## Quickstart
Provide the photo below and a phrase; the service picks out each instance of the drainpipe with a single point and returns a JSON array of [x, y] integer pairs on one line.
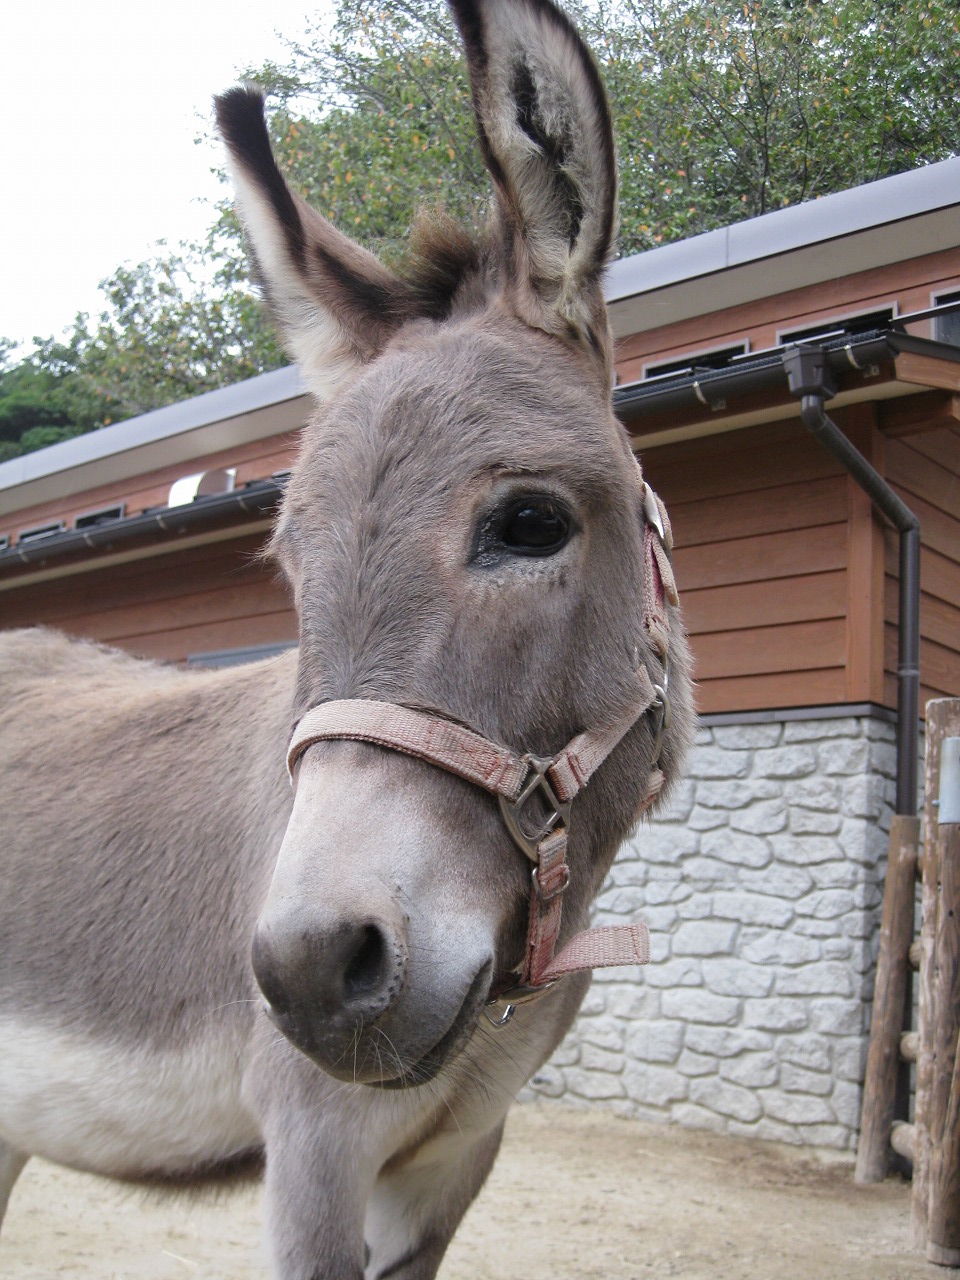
[[811, 381]]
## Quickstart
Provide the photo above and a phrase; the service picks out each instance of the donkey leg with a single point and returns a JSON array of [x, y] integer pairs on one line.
[[319, 1170], [315, 1193], [416, 1207], [11, 1165]]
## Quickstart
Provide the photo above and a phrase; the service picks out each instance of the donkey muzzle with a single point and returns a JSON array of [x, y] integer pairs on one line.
[[326, 980]]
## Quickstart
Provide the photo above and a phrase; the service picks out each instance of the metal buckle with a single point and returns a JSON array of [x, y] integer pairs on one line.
[[512, 810], [549, 897]]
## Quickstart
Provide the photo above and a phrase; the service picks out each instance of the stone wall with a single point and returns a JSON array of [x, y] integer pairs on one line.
[[762, 888]]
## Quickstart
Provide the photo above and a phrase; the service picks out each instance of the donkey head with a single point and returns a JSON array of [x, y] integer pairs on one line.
[[464, 530]]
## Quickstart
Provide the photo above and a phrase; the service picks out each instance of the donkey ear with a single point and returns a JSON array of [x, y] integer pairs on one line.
[[546, 135], [334, 303]]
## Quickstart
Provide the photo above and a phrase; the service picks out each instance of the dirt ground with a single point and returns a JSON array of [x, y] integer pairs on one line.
[[574, 1196]]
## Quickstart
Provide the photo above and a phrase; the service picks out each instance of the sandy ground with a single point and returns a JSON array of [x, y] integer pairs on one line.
[[574, 1196]]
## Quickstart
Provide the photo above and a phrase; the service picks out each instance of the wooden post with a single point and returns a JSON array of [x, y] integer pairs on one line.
[[886, 1025], [943, 1213], [936, 1168]]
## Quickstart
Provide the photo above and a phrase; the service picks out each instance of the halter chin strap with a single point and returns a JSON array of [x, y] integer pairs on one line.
[[525, 783]]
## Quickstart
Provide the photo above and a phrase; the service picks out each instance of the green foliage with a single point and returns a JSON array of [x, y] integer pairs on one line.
[[727, 110], [372, 120], [170, 329], [723, 110], [41, 400], [168, 333]]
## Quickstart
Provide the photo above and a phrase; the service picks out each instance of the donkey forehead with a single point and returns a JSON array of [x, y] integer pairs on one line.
[[447, 405]]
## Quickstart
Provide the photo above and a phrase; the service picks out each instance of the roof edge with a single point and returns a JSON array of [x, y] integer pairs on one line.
[[844, 213], [261, 392]]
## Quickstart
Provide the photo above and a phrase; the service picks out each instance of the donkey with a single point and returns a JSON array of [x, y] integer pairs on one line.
[[350, 979]]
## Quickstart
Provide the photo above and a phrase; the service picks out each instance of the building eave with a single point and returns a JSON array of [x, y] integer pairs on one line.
[[894, 219], [268, 405]]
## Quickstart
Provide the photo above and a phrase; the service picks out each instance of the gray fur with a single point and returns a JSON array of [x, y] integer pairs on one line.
[[149, 834]]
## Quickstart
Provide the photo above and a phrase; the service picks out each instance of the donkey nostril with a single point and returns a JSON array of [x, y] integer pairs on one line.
[[364, 971]]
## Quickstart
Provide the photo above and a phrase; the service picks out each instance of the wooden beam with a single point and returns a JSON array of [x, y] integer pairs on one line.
[[936, 1170], [909, 415], [928, 371], [943, 1213]]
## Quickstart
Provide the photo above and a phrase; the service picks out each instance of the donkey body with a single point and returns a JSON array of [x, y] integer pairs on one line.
[[465, 531]]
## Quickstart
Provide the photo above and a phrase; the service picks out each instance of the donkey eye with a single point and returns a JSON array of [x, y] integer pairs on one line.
[[535, 528], [529, 525]]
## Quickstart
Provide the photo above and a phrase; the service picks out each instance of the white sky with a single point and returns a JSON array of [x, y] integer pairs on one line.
[[101, 103]]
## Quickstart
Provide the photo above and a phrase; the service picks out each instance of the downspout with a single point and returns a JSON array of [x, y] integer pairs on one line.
[[810, 379]]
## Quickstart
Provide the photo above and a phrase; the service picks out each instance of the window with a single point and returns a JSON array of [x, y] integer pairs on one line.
[[840, 326], [946, 328], [103, 515]]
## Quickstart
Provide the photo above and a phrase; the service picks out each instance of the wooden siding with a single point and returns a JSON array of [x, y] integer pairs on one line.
[[925, 471], [761, 526], [761, 321], [171, 606], [788, 578]]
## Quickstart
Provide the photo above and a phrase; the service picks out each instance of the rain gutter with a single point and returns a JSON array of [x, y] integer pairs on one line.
[[259, 498], [709, 388]]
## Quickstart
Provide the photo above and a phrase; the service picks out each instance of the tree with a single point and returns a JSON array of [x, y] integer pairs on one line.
[[723, 110], [728, 110], [171, 330], [42, 401]]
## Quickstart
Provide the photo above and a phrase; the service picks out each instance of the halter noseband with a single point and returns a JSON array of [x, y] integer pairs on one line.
[[516, 779]]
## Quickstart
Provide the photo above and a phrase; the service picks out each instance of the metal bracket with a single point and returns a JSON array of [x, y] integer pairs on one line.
[[652, 514], [558, 813]]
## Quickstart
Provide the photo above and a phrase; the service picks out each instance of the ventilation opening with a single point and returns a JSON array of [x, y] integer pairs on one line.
[[40, 531], [946, 328], [103, 515], [840, 326], [694, 361]]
